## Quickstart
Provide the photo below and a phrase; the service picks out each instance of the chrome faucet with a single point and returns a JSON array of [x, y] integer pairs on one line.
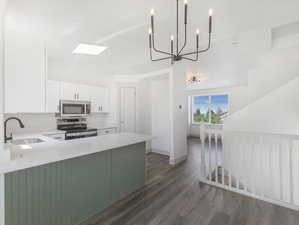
[[5, 123]]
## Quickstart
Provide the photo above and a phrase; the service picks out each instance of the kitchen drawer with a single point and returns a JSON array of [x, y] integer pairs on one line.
[[107, 131], [58, 136]]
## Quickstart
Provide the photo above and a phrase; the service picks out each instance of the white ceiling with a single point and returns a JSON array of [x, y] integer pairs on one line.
[[241, 34]]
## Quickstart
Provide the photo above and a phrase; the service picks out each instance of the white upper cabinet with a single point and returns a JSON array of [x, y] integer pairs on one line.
[[25, 73], [53, 96], [105, 100], [100, 100], [68, 91], [84, 92], [99, 96]]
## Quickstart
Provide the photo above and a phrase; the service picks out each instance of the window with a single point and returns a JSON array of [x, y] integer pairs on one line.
[[209, 109]]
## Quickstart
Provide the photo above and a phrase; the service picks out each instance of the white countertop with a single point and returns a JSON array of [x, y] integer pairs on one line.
[[53, 150]]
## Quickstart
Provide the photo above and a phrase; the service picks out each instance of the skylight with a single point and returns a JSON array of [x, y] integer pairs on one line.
[[89, 49]]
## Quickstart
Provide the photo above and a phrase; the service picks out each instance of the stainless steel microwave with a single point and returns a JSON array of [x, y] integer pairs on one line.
[[74, 108]]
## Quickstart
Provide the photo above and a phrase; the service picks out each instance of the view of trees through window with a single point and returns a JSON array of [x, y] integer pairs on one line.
[[210, 109]]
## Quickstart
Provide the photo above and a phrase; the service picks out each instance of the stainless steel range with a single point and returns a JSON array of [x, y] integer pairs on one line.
[[76, 128]]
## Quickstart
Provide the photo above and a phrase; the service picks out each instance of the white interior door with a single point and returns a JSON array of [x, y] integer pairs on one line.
[[128, 109]]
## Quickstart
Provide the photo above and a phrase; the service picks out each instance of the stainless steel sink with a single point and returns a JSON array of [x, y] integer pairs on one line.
[[27, 141]]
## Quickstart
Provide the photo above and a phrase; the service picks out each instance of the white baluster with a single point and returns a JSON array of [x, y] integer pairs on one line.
[[222, 158], [238, 162], [261, 160], [203, 156], [291, 172], [210, 170], [272, 184], [280, 172], [230, 183], [216, 156], [254, 169]]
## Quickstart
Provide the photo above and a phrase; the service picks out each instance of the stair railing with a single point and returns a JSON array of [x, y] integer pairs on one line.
[[259, 165]]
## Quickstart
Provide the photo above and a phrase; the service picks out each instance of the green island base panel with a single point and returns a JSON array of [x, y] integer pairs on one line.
[[70, 191]]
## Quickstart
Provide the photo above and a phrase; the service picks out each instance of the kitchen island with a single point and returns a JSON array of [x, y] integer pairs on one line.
[[67, 182]]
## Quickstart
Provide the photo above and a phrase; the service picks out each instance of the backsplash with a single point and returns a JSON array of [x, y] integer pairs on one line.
[[41, 122]]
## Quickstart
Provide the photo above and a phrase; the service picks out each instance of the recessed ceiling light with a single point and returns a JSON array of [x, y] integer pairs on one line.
[[89, 49]]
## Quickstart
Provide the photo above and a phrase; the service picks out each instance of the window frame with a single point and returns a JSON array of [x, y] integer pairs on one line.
[[209, 103]]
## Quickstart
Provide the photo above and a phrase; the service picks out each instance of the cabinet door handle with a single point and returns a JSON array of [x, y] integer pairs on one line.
[[99, 108], [75, 97]]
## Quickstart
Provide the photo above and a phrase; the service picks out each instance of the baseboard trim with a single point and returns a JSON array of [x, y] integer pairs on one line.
[[162, 152], [177, 161]]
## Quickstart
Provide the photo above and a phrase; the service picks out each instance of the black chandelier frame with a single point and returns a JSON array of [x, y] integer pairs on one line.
[[179, 55]]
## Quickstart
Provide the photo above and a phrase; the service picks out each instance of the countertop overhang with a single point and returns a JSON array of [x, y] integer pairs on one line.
[[52, 151]]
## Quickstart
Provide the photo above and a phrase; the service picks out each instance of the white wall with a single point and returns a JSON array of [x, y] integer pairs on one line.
[[153, 110], [277, 112], [238, 99], [178, 112], [145, 107], [160, 111], [277, 68], [43, 122], [154, 98]]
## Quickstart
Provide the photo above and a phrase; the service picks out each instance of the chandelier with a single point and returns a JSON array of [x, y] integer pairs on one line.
[[178, 54], [193, 79]]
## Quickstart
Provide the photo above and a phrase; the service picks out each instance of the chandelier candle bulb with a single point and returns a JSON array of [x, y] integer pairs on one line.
[[150, 38], [186, 8], [152, 19], [210, 20], [152, 12], [197, 39]]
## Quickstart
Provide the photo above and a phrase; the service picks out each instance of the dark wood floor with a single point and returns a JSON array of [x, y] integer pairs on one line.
[[173, 196]]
